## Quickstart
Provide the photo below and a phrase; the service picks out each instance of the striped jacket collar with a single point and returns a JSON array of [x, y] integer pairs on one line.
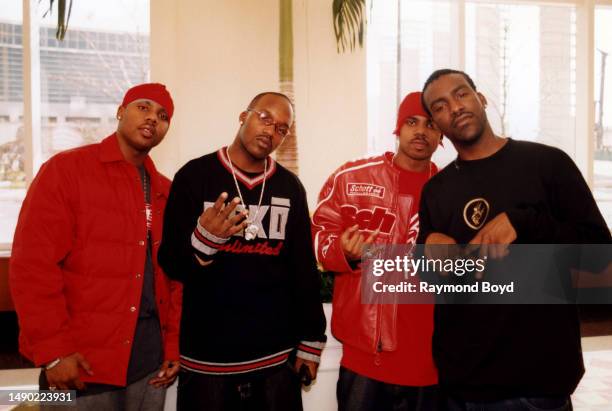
[[250, 182]]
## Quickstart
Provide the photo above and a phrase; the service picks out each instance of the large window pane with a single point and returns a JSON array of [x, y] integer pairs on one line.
[[401, 54], [82, 79], [12, 175], [522, 58], [105, 51], [603, 111]]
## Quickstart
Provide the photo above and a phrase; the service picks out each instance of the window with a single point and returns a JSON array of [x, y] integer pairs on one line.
[[401, 53], [82, 80], [83, 83], [12, 171], [603, 111], [523, 61], [523, 56]]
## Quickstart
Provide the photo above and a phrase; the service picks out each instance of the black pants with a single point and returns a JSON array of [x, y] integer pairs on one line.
[[358, 393], [277, 389]]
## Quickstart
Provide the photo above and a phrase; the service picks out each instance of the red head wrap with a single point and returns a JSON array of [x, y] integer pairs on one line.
[[151, 91], [411, 106]]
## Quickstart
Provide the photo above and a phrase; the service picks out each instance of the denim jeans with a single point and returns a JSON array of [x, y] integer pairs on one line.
[[138, 396], [276, 389], [359, 393], [514, 404]]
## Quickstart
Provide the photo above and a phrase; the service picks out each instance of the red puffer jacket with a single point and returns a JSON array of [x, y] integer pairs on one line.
[[76, 269], [363, 192]]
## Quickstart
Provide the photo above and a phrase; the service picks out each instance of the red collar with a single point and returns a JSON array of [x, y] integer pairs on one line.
[[110, 152]]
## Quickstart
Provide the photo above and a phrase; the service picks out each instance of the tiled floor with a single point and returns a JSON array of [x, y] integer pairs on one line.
[[595, 390], [593, 394]]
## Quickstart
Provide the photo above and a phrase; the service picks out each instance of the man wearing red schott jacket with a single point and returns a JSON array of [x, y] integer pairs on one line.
[[386, 364], [95, 310]]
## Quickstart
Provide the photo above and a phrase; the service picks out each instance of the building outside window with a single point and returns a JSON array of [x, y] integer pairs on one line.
[[81, 81]]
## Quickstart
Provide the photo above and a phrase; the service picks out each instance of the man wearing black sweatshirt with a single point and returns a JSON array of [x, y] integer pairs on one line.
[[251, 286], [500, 191]]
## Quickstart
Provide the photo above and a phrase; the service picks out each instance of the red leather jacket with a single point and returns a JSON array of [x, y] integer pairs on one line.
[[363, 192], [77, 262]]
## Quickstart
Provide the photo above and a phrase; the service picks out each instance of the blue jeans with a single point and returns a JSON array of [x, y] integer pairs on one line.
[[275, 389], [359, 393], [138, 396], [514, 404]]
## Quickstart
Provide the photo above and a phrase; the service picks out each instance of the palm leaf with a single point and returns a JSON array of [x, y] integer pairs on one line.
[[62, 19], [349, 23]]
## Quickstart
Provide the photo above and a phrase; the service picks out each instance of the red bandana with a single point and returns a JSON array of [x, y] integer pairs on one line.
[[151, 91]]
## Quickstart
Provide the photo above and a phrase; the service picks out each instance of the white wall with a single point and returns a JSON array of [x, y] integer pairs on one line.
[[216, 55], [330, 94]]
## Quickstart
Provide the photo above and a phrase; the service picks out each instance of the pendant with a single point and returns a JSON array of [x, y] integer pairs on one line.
[[251, 232]]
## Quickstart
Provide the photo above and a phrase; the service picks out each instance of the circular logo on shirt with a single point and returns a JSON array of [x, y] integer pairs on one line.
[[475, 213]]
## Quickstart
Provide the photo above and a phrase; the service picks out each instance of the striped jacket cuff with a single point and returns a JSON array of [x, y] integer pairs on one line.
[[205, 242], [310, 350]]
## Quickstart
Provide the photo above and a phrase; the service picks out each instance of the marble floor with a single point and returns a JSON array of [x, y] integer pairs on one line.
[[595, 390]]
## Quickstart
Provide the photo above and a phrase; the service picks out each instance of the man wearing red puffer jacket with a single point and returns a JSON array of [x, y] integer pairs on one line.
[[95, 310], [387, 362]]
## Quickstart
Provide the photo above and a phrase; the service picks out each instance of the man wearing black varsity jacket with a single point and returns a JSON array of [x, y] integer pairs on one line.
[[237, 234]]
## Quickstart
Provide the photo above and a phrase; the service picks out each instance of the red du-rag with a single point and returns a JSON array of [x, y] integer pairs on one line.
[[411, 106], [151, 91]]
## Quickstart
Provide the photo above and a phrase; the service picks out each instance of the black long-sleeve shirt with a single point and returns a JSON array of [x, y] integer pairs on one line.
[[258, 299], [501, 351]]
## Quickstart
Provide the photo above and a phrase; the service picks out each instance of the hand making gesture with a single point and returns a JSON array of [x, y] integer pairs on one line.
[[220, 219], [352, 242]]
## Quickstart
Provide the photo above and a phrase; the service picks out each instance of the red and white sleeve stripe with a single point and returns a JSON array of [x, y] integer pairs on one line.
[[310, 350], [205, 242]]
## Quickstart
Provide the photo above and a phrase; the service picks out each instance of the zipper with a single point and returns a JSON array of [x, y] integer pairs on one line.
[[394, 202], [379, 344], [379, 348]]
